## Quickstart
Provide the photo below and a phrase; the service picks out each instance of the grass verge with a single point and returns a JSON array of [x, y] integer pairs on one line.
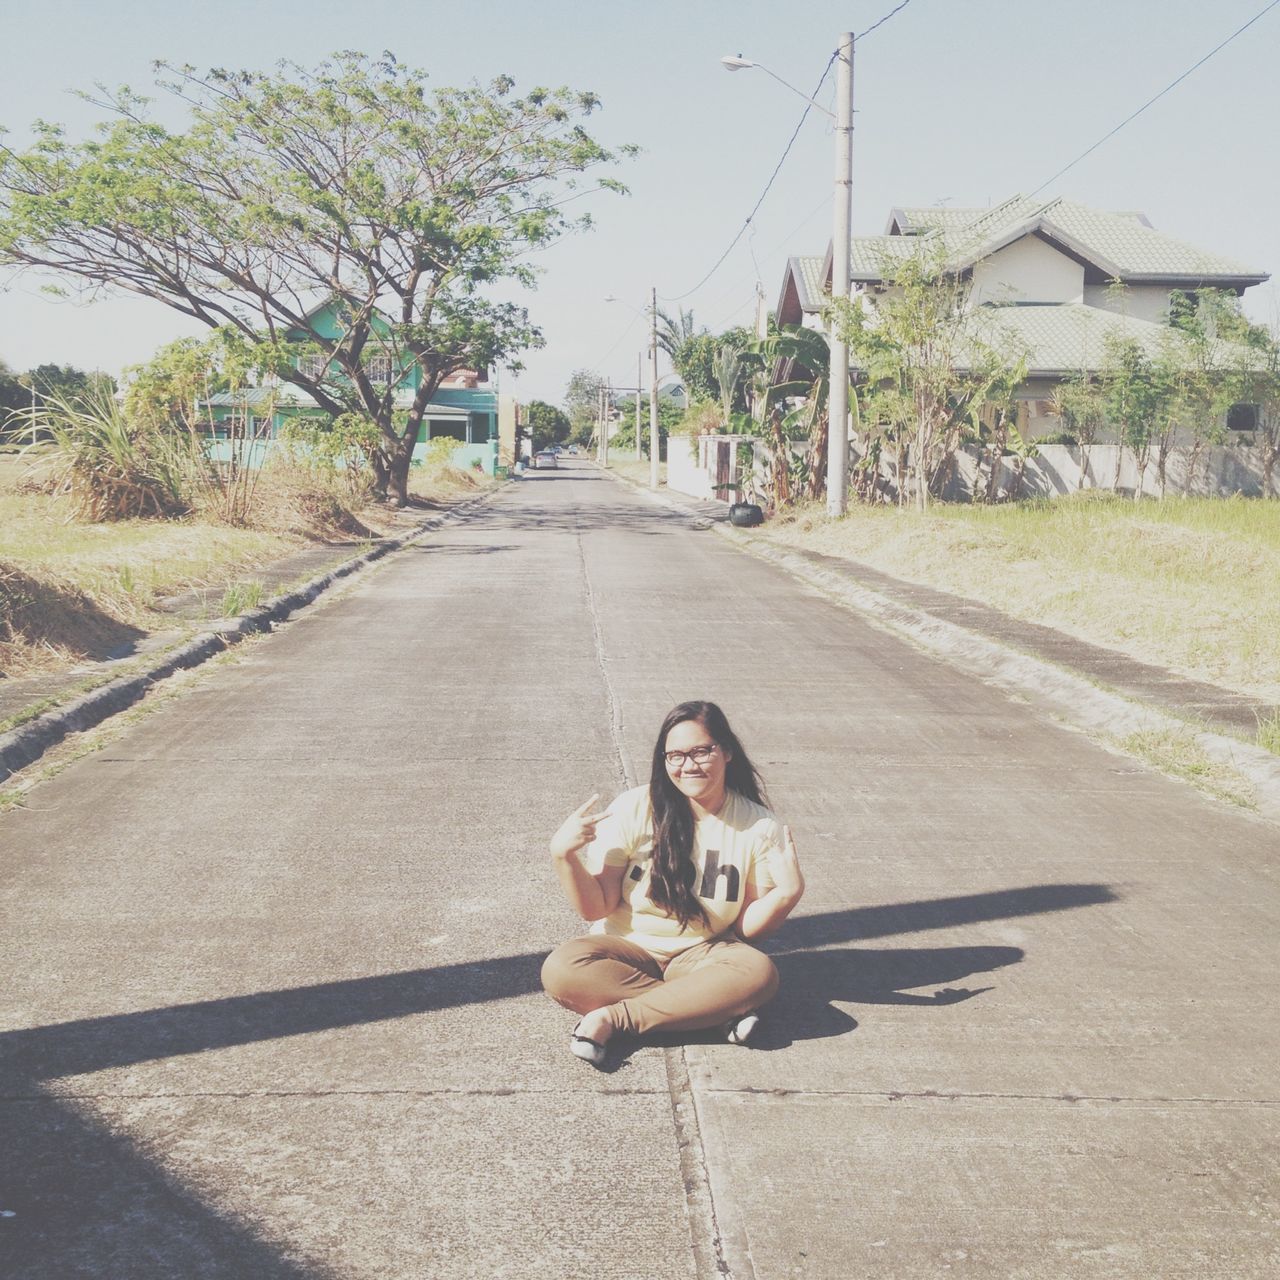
[[1191, 584], [637, 472], [73, 591]]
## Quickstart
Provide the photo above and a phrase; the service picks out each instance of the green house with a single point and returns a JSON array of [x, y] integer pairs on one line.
[[464, 409]]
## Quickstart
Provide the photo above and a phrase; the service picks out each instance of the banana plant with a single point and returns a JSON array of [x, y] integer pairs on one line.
[[801, 359]]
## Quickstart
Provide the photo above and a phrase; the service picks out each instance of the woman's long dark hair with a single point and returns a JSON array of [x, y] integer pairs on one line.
[[673, 873]]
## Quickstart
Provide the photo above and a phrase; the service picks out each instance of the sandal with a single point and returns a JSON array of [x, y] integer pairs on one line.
[[740, 1029], [588, 1050]]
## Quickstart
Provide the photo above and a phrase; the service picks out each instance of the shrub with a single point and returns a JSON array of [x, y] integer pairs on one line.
[[702, 418], [439, 451], [112, 469]]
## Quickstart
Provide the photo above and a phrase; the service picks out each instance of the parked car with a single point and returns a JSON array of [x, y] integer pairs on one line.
[[544, 459], [573, 451]]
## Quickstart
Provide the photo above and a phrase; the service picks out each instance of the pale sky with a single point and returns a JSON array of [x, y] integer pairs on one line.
[[962, 101]]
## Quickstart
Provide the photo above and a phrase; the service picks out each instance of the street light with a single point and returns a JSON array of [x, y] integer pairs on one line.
[[838, 392], [738, 63]]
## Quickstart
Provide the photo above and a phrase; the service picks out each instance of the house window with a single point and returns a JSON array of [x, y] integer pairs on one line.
[[312, 366], [1242, 417], [378, 369], [448, 427]]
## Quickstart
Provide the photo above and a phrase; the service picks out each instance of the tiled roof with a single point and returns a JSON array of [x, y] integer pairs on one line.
[[1121, 244], [1064, 338], [873, 257], [810, 274], [263, 397]]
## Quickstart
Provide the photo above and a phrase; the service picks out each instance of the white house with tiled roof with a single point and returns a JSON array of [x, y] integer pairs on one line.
[[1047, 264], [1041, 273]]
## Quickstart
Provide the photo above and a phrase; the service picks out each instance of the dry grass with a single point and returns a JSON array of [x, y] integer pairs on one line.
[[1192, 584], [446, 484], [72, 590], [1176, 752]]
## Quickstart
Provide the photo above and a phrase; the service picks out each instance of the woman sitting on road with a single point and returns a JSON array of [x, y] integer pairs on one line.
[[677, 876]]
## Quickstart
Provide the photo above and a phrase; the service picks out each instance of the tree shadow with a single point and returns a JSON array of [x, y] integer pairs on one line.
[[460, 549], [86, 1202], [87, 1045]]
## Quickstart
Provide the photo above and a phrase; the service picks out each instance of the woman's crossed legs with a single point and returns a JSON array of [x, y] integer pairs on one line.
[[705, 986]]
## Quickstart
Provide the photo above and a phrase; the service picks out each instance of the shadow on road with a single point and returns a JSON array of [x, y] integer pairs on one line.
[[125, 1039], [89, 1202]]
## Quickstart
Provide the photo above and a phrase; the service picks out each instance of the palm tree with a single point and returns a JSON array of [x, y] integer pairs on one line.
[[673, 334]]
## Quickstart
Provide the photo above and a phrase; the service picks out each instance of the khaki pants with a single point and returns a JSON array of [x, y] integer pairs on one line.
[[704, 986]]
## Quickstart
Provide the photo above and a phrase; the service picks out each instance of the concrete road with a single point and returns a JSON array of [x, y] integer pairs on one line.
[[271, 958]]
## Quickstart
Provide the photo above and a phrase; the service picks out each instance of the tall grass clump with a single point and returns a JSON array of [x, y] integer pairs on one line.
[[111, 468]]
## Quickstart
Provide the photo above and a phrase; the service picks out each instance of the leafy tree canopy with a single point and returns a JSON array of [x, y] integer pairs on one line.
[[547, 424], [354, 181], [582, 401]]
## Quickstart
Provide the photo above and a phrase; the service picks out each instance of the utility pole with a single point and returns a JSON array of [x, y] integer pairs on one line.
[[838, 391], [653, 390], [604, 424], [639, 443]]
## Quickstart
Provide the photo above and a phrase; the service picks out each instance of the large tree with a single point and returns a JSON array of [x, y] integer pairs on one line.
[[582, 402], [931, 362], [547, 424], [354, 181]]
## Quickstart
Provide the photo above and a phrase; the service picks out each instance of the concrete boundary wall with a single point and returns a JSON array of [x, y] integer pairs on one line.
[[1220, 471], [684, 475]]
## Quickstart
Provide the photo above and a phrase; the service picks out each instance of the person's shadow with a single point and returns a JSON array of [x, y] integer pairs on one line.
[[817, 982], [819, 974]]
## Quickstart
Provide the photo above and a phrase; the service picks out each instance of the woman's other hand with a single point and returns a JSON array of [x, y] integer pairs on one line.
[[761, 916], [577, 831], [784, 866]]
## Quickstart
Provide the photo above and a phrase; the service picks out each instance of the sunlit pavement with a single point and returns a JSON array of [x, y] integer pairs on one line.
[[272, 956]]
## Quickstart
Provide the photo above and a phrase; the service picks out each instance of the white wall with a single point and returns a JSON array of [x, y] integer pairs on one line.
[[1028, 270], [1220, 472], [1141, 301], [684, 475]]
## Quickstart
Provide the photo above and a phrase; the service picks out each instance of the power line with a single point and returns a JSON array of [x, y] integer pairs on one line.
[[1158, 96], [883, 20], [679, 297], [786, 239], [621, 337]]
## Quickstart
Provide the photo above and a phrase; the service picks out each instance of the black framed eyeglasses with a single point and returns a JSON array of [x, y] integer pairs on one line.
[[698, 755]]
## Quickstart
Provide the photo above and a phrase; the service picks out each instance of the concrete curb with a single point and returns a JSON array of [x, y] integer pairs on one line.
[[1056, 690], [24, 745]]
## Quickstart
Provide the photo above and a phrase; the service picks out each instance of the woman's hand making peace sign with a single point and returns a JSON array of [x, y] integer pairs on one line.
[[577, 831]]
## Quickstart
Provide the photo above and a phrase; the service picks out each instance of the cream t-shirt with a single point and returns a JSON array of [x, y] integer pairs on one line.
[[732, 851]]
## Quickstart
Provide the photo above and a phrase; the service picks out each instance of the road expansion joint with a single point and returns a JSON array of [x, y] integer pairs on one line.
[[700, 1201], [252, 1094], [935, 1095]]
